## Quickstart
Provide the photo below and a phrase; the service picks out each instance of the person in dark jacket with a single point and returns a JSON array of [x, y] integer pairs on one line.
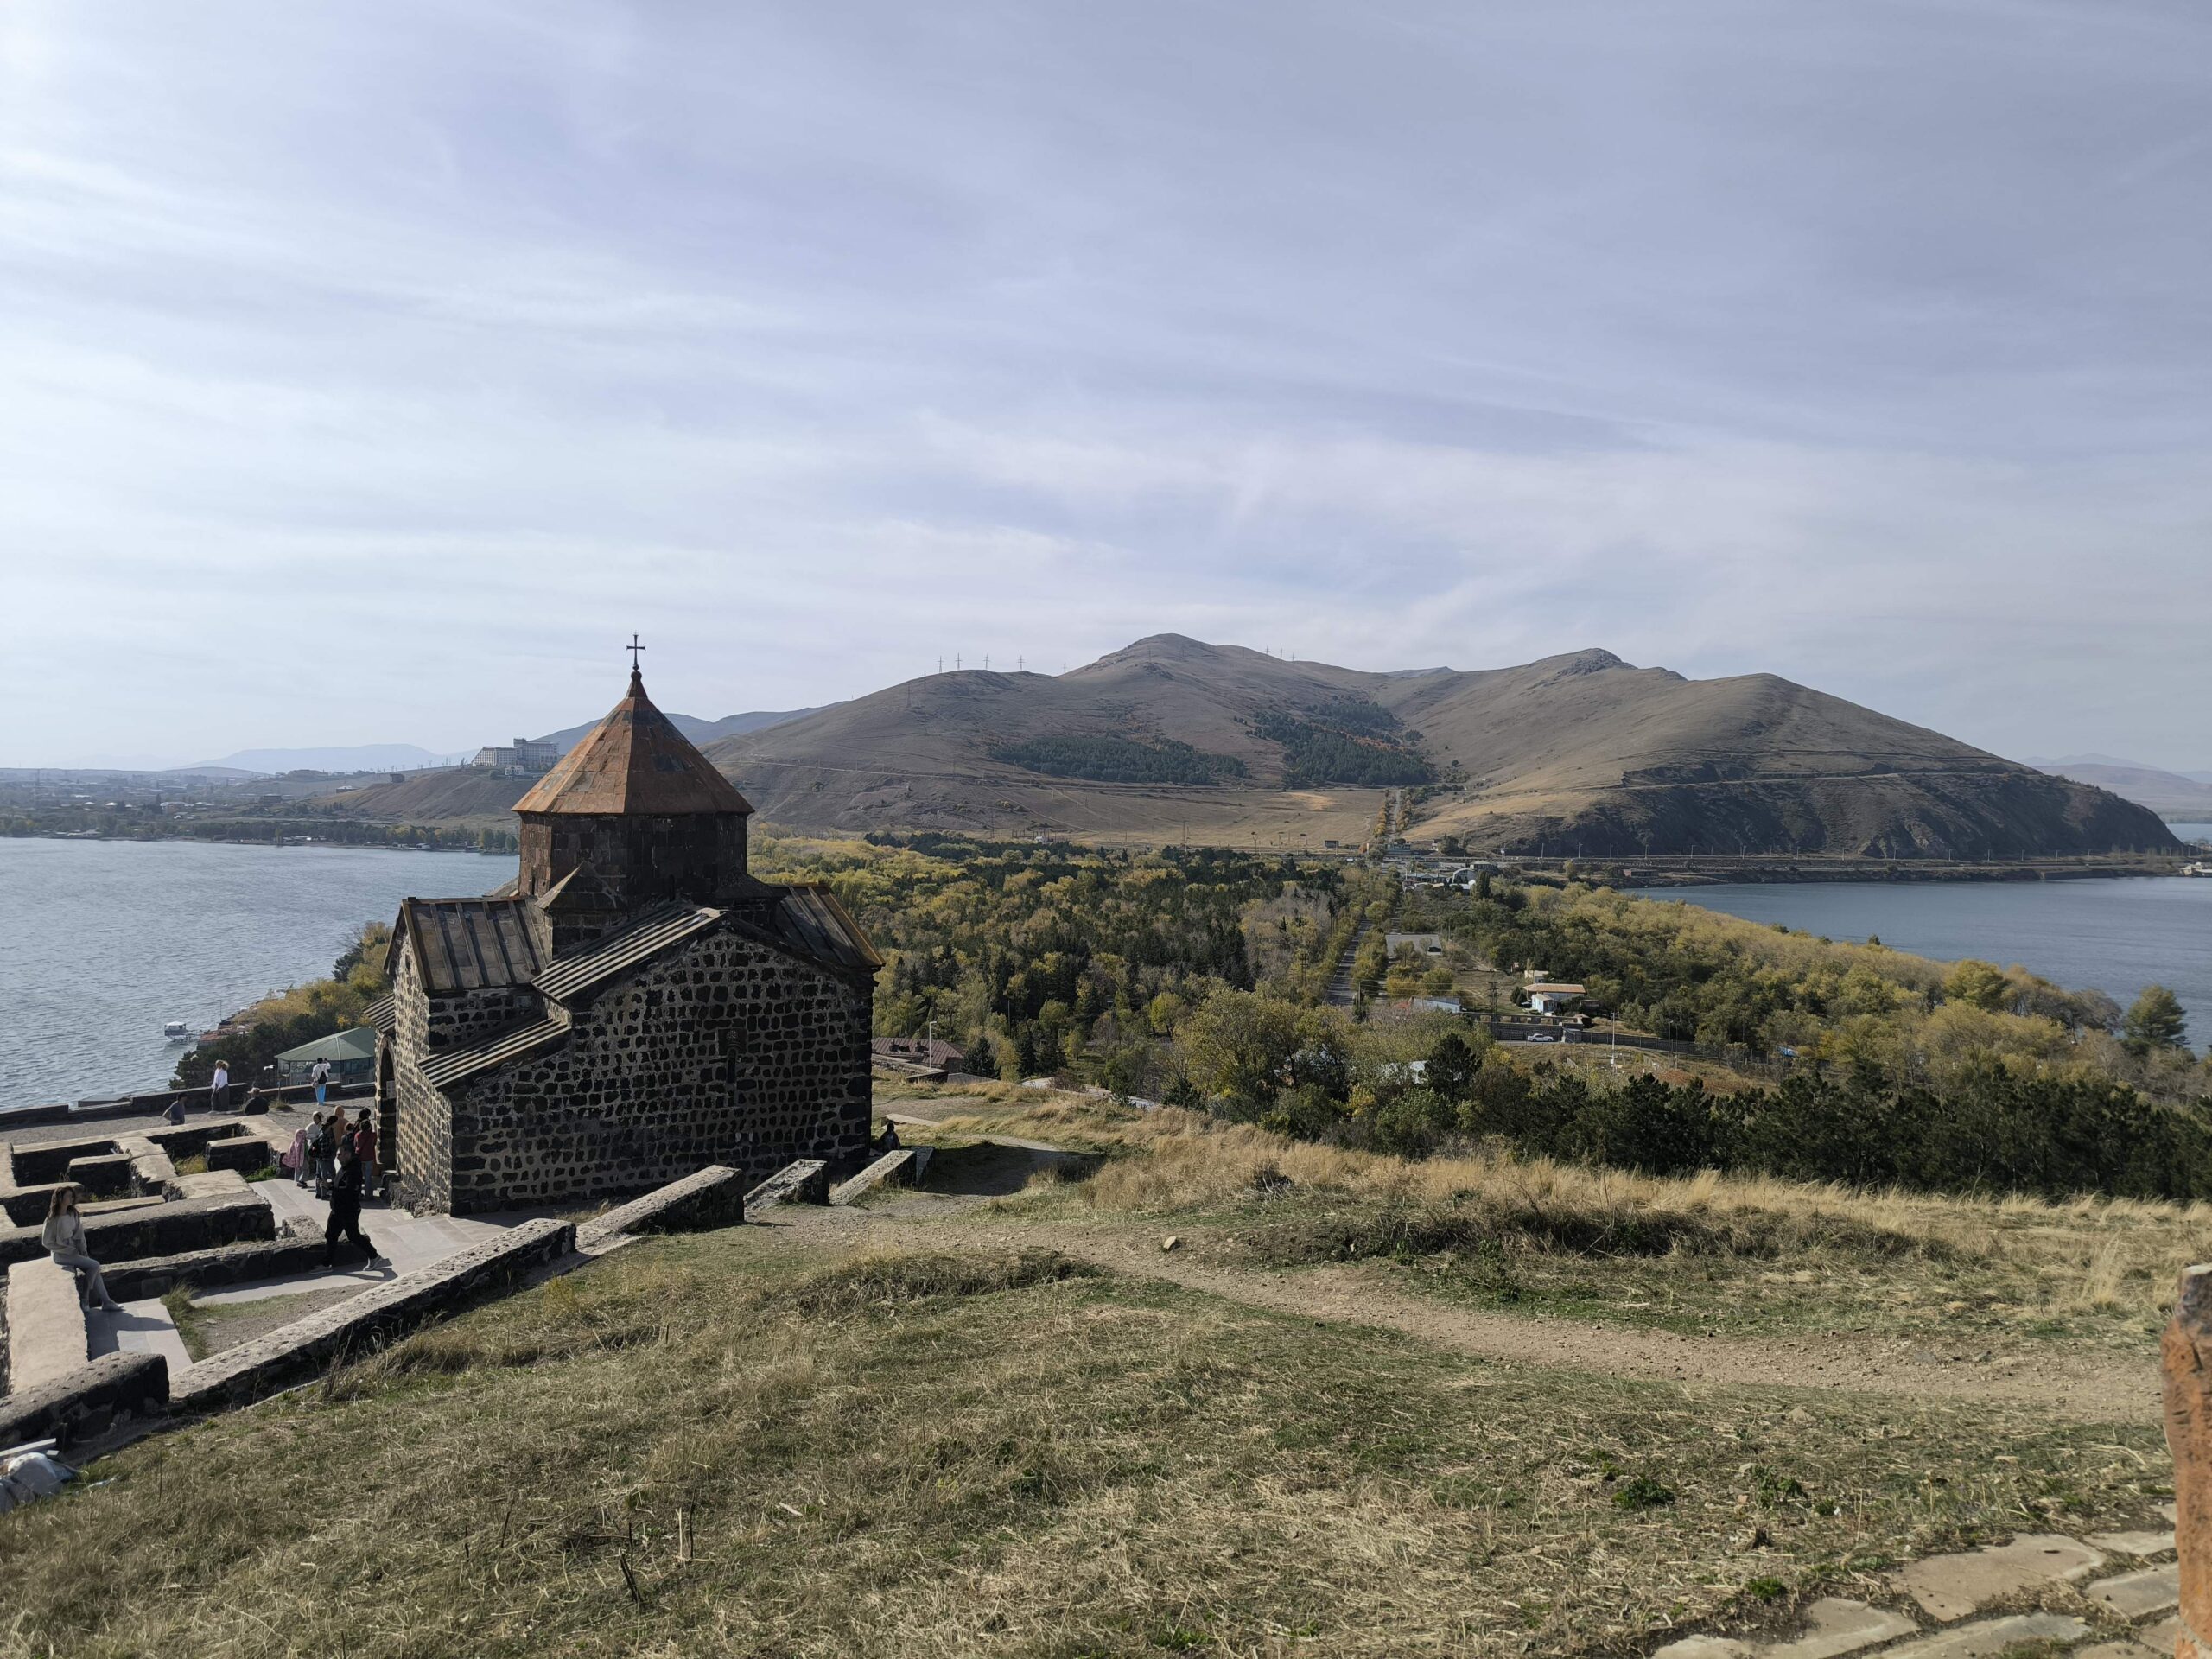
[[322, 1150], [346, 1210], [365, 1151]]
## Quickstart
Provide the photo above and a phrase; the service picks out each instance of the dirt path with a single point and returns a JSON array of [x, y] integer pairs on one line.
[[2081, 1388]]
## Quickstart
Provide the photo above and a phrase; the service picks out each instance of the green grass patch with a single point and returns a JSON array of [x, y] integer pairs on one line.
[[185, 1314]]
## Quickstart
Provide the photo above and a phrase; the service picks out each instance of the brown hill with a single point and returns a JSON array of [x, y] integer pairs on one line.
[[448, 795], [1578, 753]]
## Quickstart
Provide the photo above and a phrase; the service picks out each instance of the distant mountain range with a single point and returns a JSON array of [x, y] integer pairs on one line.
[[701, 732], [360, 757], [2181, 797], [1579, 753], [463, 793], [411, 757]]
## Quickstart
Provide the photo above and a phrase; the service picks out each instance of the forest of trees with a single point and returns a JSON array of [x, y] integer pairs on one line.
[[1120, 760], [1345, 742], [1199, 977]]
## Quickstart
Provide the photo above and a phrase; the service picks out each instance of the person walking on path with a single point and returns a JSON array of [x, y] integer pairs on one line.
[[346, 1211], [365, 1152], [219, 1087], [320, 1078], [64, 1238]]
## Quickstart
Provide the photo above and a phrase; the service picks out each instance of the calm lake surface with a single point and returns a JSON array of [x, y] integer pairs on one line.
[[2114, 936], [102, 941]]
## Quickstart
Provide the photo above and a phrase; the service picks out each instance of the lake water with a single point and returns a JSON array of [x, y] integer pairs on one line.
[[2115, 935], [102, 941]]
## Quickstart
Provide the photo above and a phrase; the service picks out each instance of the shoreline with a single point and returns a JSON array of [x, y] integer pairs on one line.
[[1892, 875], [295, 843], [1650, 870]]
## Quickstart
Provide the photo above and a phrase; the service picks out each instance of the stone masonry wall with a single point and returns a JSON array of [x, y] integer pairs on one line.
[[728, 1051], [424, 1138], [425, 1024]]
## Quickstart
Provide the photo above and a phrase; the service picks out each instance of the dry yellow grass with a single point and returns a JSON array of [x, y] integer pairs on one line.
[[2030, 1259], [690, 1447]]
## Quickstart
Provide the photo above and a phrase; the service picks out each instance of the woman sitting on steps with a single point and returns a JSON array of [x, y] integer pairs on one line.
[[64, 1238]]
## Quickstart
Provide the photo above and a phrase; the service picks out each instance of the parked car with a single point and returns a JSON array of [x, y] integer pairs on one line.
[[1540, 1037]]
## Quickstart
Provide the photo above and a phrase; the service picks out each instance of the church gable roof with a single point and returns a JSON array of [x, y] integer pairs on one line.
[[662, 929], [634, 762], [454, 1066], [809, 920], [467, 945]]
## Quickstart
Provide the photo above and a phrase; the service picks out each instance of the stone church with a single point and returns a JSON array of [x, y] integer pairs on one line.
[[632, 1007]]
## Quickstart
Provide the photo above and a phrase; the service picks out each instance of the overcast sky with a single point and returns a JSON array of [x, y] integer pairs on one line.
[[369, 371]]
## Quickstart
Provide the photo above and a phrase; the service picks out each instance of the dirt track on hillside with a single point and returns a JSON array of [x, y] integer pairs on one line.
[[2070, 1387]]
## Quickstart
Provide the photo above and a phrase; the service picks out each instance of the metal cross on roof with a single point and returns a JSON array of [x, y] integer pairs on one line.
[[634, 648]]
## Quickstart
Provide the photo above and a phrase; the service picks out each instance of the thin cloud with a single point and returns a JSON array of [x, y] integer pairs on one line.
[[1864, 345]]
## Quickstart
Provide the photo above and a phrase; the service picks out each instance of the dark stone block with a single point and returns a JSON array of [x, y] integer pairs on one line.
[[107, 1176], [157, 1228], [86, 1401], [245, 1153]]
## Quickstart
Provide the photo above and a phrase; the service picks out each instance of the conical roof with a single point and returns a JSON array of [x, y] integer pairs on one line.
[[634, 762]]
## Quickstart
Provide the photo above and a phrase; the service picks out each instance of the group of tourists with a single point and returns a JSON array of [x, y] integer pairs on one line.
[[319, 1149], [340, 1158], [337, 1155]]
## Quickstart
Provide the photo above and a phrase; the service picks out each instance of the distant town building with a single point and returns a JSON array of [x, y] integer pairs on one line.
[[1554, 998], [521, 759], [633, 1007], [931, 1053]]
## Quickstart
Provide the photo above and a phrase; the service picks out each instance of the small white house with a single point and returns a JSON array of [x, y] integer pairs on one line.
[[1554, 998]]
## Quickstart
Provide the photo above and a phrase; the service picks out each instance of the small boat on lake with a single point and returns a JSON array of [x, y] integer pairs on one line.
[[177, 1032]]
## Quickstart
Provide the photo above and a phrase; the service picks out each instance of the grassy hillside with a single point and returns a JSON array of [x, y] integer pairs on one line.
[[462, 795], [1575, 754], [933, 1427]]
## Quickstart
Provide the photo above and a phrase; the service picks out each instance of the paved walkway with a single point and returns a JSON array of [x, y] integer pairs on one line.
[[2040, 1592], [142, 1328], [408, 1242], [284, 1117]]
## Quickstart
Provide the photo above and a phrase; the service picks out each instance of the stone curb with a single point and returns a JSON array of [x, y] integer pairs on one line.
[[223, 1264], [806, 1181], [898, 1167], [242, 1374], [712, 1197], [157, 1228], [47, 1335], [86, 1401]]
